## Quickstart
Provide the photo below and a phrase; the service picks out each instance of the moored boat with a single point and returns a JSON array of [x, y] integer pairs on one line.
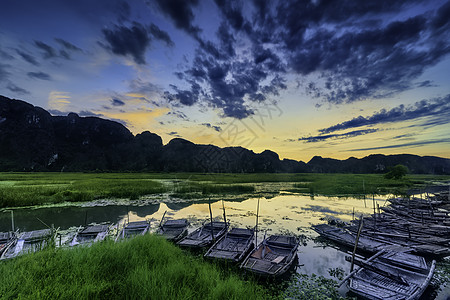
[[6, 238], [391, 275], [347, 238], [132, 229], [233, 246], [27, 242], [173, 230], [205, 235], [273, 257], [90, 234]]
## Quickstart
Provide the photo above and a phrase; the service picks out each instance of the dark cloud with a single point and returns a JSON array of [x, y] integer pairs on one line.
[[321, 138], [442, 19], [48, 51], [128, 41], [426, 83], [39, 75], [408, 145], [173, 133], [232, 10], [222, 79], [356, 63], [178, 114], [438, 108], [185, 97], [216, 128], [87, 113], [180, 11], [161, 35], [67, 45], [117, 102], [18, 90]]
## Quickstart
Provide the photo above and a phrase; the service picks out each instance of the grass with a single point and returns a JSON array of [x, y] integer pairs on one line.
[[28, 189], [144, 267]]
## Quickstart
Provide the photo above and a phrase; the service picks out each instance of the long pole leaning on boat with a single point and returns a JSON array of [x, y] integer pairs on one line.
[[354, 271], [256, 226], [211, 218], [356, 242], [160, 223]]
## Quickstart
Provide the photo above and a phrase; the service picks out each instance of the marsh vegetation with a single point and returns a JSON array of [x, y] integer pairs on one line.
[[29, 189]]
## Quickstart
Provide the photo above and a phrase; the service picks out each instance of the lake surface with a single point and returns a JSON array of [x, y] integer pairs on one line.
[[285, 213]]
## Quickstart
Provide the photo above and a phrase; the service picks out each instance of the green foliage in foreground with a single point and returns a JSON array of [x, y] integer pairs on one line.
[[27, 189], [312, 287], [146, 267]]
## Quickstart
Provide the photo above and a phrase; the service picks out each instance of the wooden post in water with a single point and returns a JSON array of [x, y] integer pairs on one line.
[[224, 214], [256, 226], [12, 220], [373, 202], [211, 218], [364, 191], [356, 243], [85, 218]]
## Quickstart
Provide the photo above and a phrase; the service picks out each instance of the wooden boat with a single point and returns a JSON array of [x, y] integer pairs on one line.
[[27, 242], [174, 230], [90, 234], [391, 275], [6, 238], [347, 238], [233, 246], [273, 257], [205, 235], [132, 229]]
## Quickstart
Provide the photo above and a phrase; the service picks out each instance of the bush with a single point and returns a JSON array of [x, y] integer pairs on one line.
[[396, 172]]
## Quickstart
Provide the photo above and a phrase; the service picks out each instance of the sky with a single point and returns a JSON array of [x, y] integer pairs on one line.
[[337, 79]]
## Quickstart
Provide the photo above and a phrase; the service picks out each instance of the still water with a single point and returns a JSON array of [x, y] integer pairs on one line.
[[285, 213]]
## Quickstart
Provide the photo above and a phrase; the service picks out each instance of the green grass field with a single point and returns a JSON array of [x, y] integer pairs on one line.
[[146, 267], [28, 189]]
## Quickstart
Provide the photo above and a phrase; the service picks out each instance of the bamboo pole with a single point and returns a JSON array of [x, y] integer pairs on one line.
[[211, 218], [224, 214], [12, 220], [256, 226], [364, 190], [356, 242], [160, 223]]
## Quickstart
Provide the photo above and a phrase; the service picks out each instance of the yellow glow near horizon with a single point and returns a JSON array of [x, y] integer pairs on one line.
[[58, 100], [138, 120]]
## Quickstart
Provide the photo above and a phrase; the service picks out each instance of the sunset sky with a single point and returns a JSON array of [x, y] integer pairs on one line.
[[301, 78]]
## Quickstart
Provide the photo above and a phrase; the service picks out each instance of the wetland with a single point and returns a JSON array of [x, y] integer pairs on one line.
[[288, 203]]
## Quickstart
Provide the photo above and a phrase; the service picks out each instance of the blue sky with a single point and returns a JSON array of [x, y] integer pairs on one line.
[[302, 78]]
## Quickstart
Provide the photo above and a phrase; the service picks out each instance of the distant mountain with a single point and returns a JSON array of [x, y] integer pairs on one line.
[[33, 140]]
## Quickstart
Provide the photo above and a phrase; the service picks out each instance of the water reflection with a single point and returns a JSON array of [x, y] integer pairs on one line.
[[285, 213]]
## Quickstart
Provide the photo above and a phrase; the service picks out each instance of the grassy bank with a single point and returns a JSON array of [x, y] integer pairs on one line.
[[145, 267], [27, 189]]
